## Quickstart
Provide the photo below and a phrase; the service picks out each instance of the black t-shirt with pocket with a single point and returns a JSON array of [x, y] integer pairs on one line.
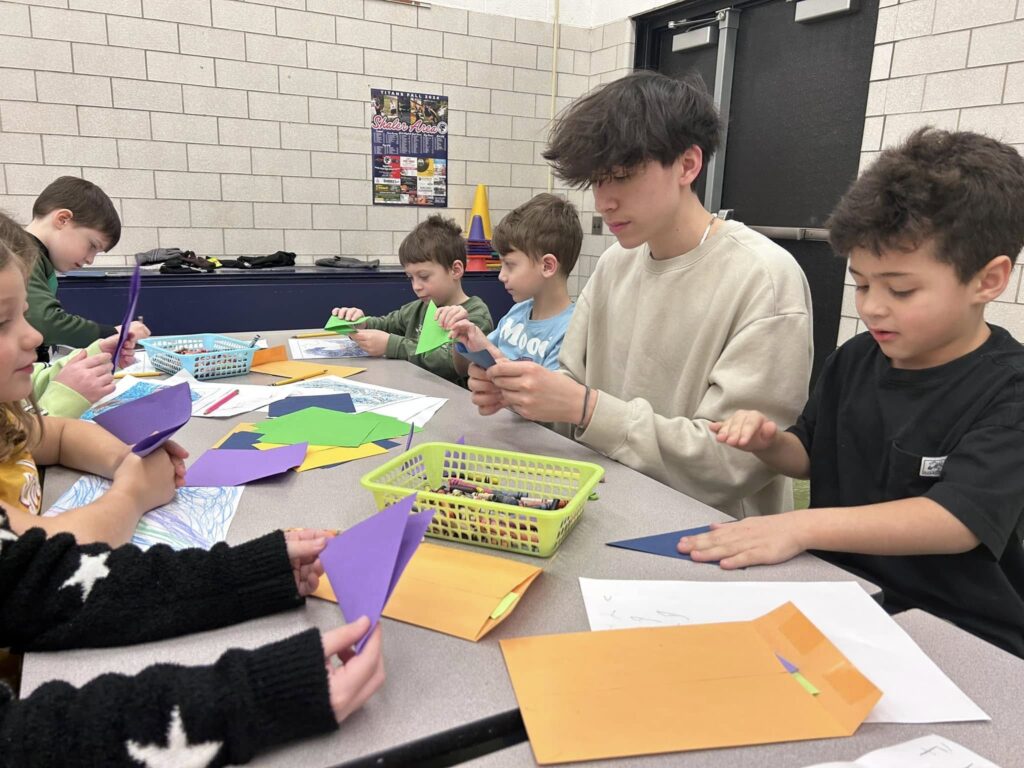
[[953, 434]]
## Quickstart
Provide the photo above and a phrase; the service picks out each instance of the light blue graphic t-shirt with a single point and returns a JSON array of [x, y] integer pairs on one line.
[[518, 337]]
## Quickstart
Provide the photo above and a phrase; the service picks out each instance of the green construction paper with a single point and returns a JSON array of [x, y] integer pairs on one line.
[[806, 684], [432, 335], [506, 604], [321, 426], [338, 325]]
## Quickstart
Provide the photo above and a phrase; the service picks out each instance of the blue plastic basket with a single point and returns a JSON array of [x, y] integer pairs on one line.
[[204, 355]]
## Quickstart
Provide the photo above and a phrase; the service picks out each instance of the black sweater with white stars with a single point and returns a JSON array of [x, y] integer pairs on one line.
[[56, 594]]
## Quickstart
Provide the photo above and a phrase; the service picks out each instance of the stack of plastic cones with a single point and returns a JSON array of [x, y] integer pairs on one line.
[[480, 254]]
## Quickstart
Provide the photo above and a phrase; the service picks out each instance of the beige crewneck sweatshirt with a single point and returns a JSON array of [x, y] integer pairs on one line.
[[677, 343]]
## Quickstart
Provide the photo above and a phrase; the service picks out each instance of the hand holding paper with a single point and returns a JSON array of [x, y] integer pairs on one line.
[[665, 544], [147, 423], [341, 325]]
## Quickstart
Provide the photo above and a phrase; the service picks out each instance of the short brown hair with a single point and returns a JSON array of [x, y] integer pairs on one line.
[[543, 224], [962, 189], [88, 203], [642, 116], [437, 239]]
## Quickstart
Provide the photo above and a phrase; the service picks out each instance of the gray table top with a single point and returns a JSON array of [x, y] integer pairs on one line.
[[435, 682], [984, 672]]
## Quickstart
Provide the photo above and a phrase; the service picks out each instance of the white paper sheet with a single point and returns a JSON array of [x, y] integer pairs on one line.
[[914, 689], [926, 752], [324, 348]]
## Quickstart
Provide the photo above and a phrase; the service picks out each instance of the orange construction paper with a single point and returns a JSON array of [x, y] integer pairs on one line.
[[453, 591], [291, 368], [616, 693], [269, 355]]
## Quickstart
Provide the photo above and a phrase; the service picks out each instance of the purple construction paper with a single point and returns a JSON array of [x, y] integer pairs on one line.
[[662, 543], [408, 441], [149, 421], [224, 466], [134, 288], [790, 666], [364, 562], [461, 440], [341, 401], [242, 441]]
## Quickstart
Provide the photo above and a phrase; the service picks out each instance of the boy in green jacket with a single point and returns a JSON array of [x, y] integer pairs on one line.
[[434, 257], [72, 221]]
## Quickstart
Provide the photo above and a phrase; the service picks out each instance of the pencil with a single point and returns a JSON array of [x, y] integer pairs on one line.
[[220, 402], [315, 335], [138, 374], [303, 377]]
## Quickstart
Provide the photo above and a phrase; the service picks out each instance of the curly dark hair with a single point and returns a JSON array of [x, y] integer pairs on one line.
[[963, 190], [437, 239], [545, 223], [640, 117]]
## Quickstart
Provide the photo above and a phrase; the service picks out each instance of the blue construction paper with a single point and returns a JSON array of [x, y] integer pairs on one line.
[[483, 358], [662, 543], [341, 401], [242, 441], [386, 444]]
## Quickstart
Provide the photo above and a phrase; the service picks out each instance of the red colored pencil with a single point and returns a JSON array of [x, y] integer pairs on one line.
[[220, 402]]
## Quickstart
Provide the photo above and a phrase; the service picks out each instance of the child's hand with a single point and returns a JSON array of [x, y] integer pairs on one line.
[[347, 313], [486, 396], [448, 316], [746, 430], [136, 330], [752, 541], [91, 377], [178, 456], [109, 346], [150, 482], [358, 677], [374, 343], [304, 548], [537, 393], [469, 335]]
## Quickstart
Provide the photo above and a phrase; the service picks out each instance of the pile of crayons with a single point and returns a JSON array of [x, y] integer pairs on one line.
[[453, 486]]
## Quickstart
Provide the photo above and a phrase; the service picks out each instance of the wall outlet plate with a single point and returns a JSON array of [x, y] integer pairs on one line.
[[596, 226]]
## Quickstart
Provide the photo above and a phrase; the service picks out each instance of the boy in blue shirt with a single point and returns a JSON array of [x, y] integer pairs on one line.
[[914, 433], [539, 243]]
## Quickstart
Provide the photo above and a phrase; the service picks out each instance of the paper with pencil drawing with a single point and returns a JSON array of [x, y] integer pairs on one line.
[[197, 517]]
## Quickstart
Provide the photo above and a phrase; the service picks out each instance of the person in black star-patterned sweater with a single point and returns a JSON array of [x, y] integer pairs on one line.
[[62, 587], [56, 594]]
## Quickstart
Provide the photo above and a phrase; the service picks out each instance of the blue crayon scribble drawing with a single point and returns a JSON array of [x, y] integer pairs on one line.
[[136, 392], [197, 517]]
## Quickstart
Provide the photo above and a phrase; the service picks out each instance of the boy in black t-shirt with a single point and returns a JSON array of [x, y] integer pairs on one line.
[[914, 435]]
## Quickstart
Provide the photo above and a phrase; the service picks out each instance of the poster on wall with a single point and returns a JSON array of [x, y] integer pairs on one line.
[[409, 132]]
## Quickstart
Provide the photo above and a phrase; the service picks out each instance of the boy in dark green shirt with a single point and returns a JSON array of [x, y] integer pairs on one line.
[[72, 221], [434, 257]]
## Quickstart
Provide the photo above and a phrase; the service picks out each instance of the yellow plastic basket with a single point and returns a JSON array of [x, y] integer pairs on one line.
[[486, 523]]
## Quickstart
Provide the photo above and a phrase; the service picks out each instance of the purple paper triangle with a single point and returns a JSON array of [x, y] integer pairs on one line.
[[364, 562], [149, 422], [476, 229], [134, 287]]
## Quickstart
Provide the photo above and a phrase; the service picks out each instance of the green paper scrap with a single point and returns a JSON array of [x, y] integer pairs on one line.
[[806, 684], [338, 325], [322, 426], [505, 605], [432, 335]]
